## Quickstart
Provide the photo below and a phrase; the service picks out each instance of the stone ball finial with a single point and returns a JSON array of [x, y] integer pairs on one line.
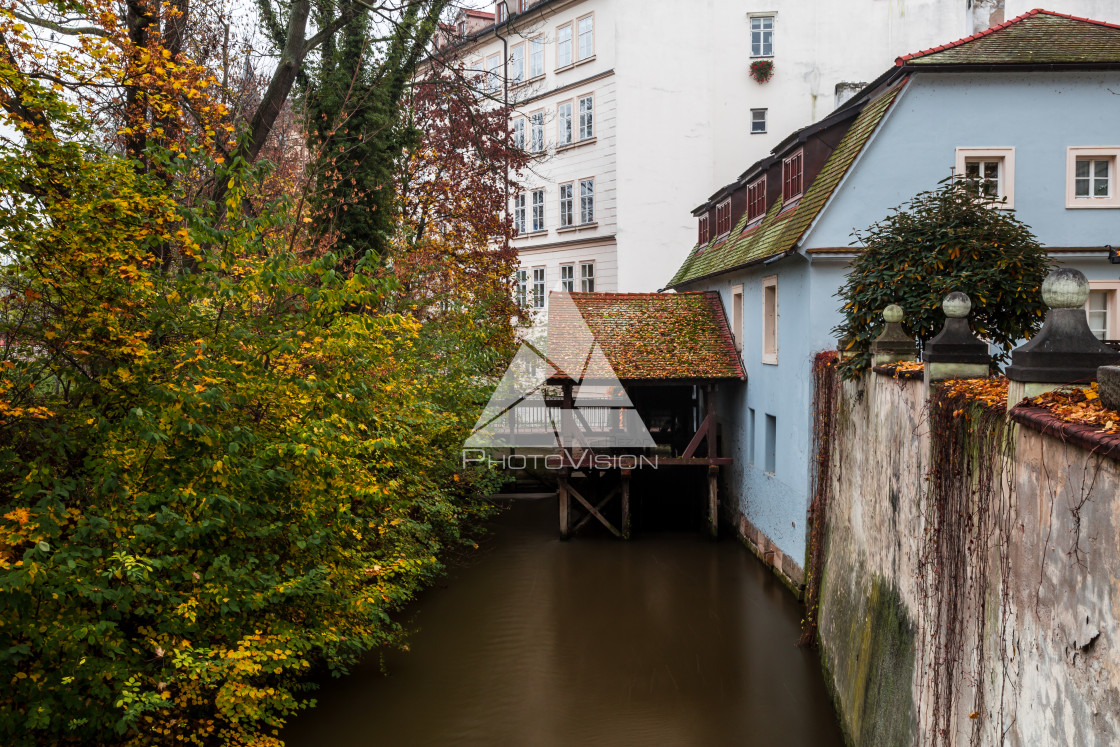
[[1065, 288], [956, 305], [892, 314]]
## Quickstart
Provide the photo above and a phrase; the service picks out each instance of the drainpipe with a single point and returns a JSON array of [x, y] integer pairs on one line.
[[505, 100]]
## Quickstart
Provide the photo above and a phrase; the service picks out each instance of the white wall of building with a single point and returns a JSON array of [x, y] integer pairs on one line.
[[673, 101]]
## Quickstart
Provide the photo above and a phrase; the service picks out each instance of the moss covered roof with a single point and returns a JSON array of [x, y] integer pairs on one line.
[[783, 226], [660, 336], [1039, 37]]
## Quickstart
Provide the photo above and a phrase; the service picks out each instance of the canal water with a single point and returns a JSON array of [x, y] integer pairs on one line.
[[668, 639]]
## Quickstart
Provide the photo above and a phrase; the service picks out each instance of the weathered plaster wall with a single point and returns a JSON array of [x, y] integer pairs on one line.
[[1051, 625]]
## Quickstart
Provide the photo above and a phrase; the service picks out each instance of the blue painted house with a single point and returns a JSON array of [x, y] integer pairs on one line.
[[1031, 107]]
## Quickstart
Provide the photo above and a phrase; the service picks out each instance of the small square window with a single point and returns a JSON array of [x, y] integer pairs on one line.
[[991, 171], [1091, 177], [758, 121]]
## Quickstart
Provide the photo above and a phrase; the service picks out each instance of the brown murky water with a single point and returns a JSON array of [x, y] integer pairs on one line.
[[669, 639]]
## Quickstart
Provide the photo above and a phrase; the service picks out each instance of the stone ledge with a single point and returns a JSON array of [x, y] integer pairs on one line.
[[783, 566], [892, 373], [1085, 436]]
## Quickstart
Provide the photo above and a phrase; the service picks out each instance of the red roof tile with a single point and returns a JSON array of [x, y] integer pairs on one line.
[[659, 336], [1036, 37]]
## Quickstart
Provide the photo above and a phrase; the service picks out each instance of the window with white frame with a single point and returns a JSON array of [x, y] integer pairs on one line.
[[770, 320], [737, 316], [568, 278], [762, 36], [522, 287], [585, 28], [587, 277], [538, 287], [519, 215], [538, 210], [567, 217], [564, 123], [587, 201], [758, 121], [494, 72], [586, 117], [564, 45], [519, 133], [517, 64], [536, 57], [1091, 177], [991, 171], [536, 132], [1103, 309]]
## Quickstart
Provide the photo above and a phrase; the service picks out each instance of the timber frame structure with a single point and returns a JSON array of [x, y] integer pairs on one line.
[[671, 353]]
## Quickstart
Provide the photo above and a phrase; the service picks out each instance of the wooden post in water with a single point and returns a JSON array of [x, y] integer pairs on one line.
[[713, 452], [626, 504], [713, 501], [562, 494]]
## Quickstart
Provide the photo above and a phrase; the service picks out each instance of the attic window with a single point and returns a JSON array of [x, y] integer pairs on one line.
[[756, 200], [792, 177], [462, 28], [703, 233], [723, 218]]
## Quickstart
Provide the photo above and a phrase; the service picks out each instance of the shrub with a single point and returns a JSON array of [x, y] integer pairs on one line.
[[941, 241]]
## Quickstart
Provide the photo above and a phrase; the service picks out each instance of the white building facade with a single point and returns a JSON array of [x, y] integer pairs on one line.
[[634, 107]]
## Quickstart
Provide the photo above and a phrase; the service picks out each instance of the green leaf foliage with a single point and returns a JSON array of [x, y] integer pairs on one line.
[[942, 241]]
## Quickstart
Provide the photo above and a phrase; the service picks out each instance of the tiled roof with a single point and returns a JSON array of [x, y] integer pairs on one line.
[[660, 336], [1039, 37], [781, 228]]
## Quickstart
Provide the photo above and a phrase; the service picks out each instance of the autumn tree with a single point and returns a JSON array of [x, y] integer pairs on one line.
[[217, 475]]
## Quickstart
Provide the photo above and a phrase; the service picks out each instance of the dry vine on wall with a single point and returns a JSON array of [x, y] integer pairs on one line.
[[826, 388], [964, 554]]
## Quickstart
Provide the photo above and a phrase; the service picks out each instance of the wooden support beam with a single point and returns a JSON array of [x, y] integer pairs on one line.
[[701, 434], [598, 507], [594, 512], [562, 493], [626, 504], [710, 419], [713, 501]]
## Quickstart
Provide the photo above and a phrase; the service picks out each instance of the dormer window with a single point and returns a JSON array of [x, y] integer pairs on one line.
[[703, 234], [723, 217], [756, 200], [462, 28], [792, 177], [502, 12]]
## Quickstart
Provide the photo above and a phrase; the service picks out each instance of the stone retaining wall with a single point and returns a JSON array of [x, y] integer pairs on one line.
[[1045, 650]]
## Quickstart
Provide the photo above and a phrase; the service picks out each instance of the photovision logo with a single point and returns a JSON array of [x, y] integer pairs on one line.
[[530, 410]]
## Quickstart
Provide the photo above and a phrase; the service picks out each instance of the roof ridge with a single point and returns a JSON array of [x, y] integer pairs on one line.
[[633, 293], [902, 60]]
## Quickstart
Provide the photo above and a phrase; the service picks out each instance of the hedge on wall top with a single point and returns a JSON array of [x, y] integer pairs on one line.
[[944, 240]]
